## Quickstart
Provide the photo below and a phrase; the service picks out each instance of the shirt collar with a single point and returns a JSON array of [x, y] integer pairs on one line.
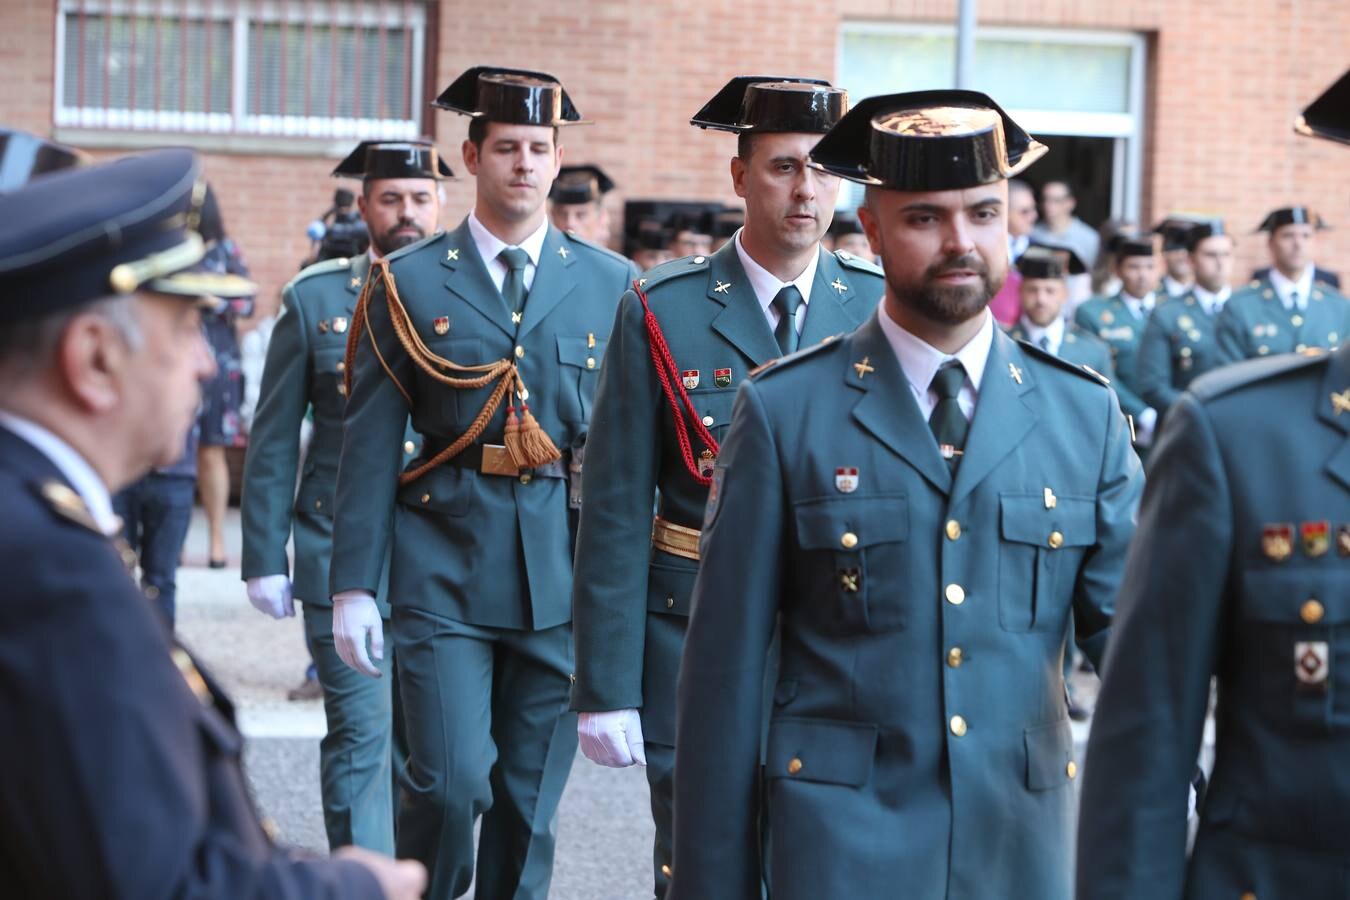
[[72, 467], [1017, 246], [1283, 285], [1212, 302], [1054, 331], [766, 284], [920, 360], [1140, 306], [490, 246]]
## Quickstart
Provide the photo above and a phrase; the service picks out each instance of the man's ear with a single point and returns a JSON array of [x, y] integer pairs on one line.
[[91, 361], [469, 151], [738, 173], [871, 227]]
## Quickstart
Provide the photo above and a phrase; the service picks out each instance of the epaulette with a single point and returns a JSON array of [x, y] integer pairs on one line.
[[1082, 371], [323, 267], [782, 362], [599, 249], [857, 263], [69, 505], [685, 265], [1226, 379]]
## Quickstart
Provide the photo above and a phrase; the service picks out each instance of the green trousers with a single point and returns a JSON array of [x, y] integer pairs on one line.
[[489, 734], [363, 753]]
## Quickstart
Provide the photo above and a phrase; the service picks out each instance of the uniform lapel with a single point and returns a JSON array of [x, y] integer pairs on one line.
[[1337, 382], [554, 279], [469, 279], [1002, 416], [831, 293], [741, 320], [887, 408]]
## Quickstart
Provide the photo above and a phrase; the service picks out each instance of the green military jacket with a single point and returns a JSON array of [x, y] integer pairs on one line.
[[302, 375], [717, 333], [1240, 571], [1078, 347], [919, 727], [1179, 344], [1110, 319], [487, 550], [1255, 323]]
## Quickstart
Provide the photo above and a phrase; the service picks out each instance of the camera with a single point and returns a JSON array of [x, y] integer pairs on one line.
[[339, 232]]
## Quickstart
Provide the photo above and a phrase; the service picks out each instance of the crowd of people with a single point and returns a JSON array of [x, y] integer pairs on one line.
[[803, 513]]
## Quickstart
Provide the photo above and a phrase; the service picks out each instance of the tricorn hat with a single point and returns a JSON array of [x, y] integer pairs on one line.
[[514, 96], [393, 159], [1049, 261], [1329, 115], [1291, 215], [580, 184], [1173, 230], [763, 104], [1201, 230], [926, 141]]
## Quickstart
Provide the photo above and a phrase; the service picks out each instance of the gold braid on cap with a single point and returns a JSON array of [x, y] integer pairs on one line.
[[526, 441]]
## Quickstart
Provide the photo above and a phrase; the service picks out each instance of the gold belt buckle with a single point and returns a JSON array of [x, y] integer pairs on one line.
[[496, 461]]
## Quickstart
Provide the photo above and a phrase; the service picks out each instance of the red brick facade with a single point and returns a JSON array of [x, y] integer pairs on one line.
[[1223, 82]]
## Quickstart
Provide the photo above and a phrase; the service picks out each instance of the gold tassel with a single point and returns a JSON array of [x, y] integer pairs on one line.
[[536, 447], [511, 435]]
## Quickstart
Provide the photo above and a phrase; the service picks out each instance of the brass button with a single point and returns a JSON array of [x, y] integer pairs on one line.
[[342, 388], [1249, 895], [955, 657], [708, 421], [849, 540], [1312, 612], [665, 870], [670, 602], [520, 351], [958, 726], [590, 362], [318, 504], [426, 498], [1185, 352], [526, 477], [956, 595], [409, 447], [698, 260], [953, 530], [151, 592], [1296, 320], [341, 366], [1071, 770], [794, 766], [1056, 540], [1262, 350]]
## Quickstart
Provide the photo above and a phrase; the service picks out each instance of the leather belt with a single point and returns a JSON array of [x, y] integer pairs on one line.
[[676, 540], [492, 459]]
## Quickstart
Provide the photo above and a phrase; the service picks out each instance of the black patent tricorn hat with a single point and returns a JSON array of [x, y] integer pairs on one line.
[[580, 184], [1329, 115], [1201, 230], [764, 104], [1291, 215], [393, 159], [513, 96], [1049, 261], [926, 141]]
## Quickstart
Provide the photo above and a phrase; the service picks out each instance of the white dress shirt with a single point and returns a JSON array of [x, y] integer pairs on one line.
[[1212, 303], [489, 246], [1284, 288], [1173, 287], [1140, 307], [72, 466], [1053, 333], [766, 285], [921, 360]]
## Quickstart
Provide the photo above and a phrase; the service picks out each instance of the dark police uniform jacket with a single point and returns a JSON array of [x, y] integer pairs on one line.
[[120, 758], [919, 742], [1255, 323], [1240, 570]]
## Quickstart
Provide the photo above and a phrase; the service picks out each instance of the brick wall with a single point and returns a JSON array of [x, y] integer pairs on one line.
[[1224, 81]]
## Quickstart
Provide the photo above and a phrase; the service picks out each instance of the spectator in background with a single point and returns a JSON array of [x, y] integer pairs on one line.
[[691, 236], [1060, 227], [1110, 234], [219, 421], [650, 245], [1021, 221]]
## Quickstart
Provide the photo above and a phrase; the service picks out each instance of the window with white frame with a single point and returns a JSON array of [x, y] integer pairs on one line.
[[1052, 81], [289, 68]]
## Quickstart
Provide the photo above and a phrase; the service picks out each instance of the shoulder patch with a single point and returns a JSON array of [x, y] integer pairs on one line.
[[324, 267], [1226, 379], [783, 362], [675, 268], [1046, 356], [857, 263]]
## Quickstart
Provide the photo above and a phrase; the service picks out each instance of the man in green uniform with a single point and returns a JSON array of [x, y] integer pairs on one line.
[[577, 202], [921, 503], [1178, 344], [1042, 294], [491, 336], [1240, 571], [1289, 308], [1120, 320], [713, 319], [358, 762]]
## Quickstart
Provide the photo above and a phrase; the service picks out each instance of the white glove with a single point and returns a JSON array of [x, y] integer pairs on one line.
[[612, 738], [355, 616], [271, 596], [1144, 424]]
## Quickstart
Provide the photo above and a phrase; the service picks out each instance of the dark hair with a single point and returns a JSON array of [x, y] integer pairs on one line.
[[745, 144], [478, 129]]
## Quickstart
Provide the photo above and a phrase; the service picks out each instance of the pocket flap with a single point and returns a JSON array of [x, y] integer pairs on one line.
[[1027, 521], [1287, 596], [670, 587], [715, 405], [822, 750], [1050, 761], [326, 360], [576, 351], [445, 489], [823, 522], [315, 497]]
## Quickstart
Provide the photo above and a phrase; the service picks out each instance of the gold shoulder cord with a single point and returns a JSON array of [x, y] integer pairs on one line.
[[527, 443]]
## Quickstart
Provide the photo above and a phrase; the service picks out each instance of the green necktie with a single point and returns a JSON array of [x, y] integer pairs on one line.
[[948, 421], [786, 302], [513, 287]]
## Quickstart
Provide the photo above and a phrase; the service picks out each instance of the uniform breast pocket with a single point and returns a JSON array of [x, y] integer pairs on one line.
[[1044, 539], [442, 404], [1294, 646], [851, 569], [714, 410], [578, 368], [329, 375]]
